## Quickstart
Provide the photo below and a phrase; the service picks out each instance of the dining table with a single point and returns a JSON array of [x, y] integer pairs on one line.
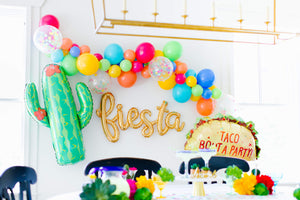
[[184, 191]]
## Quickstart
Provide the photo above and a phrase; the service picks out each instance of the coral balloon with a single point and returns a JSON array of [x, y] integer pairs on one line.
[[160, 68], [145, 72], [168, 84], [129, 55], [127, 79], [113, 53], [100, 82], [137, 66], [180, 78], [87, 64], [84, 49], [145, 52], [172, 50], [205, 107], [50, 20], [66, 44], [47, 39], [191, 81], [181, 68], [114, 71]]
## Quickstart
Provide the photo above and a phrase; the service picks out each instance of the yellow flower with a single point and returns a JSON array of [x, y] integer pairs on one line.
[[245, 185], [142, 181]]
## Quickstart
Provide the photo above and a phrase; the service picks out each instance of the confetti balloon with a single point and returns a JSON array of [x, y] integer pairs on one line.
[[47, 39], [100, 82], [160, 68]]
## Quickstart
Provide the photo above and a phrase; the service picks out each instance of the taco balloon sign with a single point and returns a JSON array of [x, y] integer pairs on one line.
[[69, 59]]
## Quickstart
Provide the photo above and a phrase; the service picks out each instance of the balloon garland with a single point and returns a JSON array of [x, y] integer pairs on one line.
[[163, 66]]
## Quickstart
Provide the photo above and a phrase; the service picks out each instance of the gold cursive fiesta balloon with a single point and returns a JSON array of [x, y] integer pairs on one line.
[[103, 115], [132, 116]]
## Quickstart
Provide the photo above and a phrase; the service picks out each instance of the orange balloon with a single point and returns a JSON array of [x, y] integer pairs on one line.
[[84, 49], [177, 62], [145, 72], [212, 87], [129, 54], [66, 44], [127, 79], [205, 107], [65, 52], [181, 68]]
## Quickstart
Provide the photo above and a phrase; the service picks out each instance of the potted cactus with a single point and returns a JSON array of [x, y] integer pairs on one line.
[[194, 168]]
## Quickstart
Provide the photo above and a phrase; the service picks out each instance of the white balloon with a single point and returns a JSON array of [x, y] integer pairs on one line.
[[100, 82], [226, 105]]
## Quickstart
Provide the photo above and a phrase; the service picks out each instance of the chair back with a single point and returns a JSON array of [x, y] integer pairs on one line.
[[13, 175], [216, 163], [141, 164]]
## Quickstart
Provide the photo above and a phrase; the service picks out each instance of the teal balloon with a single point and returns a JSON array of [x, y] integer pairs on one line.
[[104, 65], [172, 50], [114, 53], [197, 90], [69, 65], [125, 65], [182, 93], [216, 93], [190, 72]]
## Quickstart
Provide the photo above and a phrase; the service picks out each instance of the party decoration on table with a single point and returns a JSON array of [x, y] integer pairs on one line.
[[143, 194], [129, 172], [101, 190], [253, 185], [296, 193], [143, 181], [230, 136], [164, 175], [60, 113], [132, 115], [133, 188]]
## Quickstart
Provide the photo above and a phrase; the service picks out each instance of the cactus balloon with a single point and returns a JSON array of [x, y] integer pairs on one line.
[[60, 113]]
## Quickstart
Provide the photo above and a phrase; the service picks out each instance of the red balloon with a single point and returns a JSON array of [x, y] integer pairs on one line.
[[127, 79], [49, 20], [145, 52], [205, 107]]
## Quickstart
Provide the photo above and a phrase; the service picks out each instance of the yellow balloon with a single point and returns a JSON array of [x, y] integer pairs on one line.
[[194, 98], [158, 53], [212, 87], [191, 81], [168, 84], [114, 71], [87, 64]]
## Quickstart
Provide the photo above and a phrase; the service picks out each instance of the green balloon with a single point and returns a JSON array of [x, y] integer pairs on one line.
[[125, 65], [69, 65], [297, 193], [104, 65], [216, 93], [197, 90], [172, 50]]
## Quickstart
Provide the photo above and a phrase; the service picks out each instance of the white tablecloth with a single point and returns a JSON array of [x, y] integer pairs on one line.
[[176, 191]]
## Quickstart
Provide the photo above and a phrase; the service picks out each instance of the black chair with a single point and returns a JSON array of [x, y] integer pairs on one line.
[[13, 175], [140, 163], [216, 163]]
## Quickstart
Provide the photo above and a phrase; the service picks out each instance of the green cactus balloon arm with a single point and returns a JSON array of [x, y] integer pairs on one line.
[[33, 106], [86, 104]]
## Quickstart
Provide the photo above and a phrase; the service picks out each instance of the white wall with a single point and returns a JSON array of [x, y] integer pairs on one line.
[[75, 18]]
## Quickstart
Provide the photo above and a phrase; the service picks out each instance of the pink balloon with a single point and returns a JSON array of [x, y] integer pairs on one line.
[[49, 20], [180, 78], [98, 56], [75, 45], [137, 66], [145, 52]]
